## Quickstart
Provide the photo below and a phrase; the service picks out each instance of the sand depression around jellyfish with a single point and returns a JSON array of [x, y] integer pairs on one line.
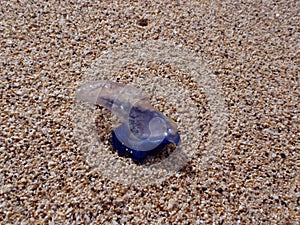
[[180, 86]]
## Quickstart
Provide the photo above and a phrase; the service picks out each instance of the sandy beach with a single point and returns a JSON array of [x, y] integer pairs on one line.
[[226, 72]]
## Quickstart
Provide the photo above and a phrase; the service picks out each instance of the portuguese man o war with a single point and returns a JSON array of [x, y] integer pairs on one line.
[[143, 131]]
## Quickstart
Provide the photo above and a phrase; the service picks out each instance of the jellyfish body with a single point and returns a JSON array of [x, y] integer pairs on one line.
[[144, 130]]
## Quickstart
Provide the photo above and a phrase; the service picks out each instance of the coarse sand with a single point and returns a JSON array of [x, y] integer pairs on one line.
[[227, 72]]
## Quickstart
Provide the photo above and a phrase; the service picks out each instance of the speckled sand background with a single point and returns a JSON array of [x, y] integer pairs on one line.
[[251, 50]]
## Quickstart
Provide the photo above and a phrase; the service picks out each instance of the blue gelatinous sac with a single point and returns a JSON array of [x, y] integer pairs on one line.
[[144, 130]]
